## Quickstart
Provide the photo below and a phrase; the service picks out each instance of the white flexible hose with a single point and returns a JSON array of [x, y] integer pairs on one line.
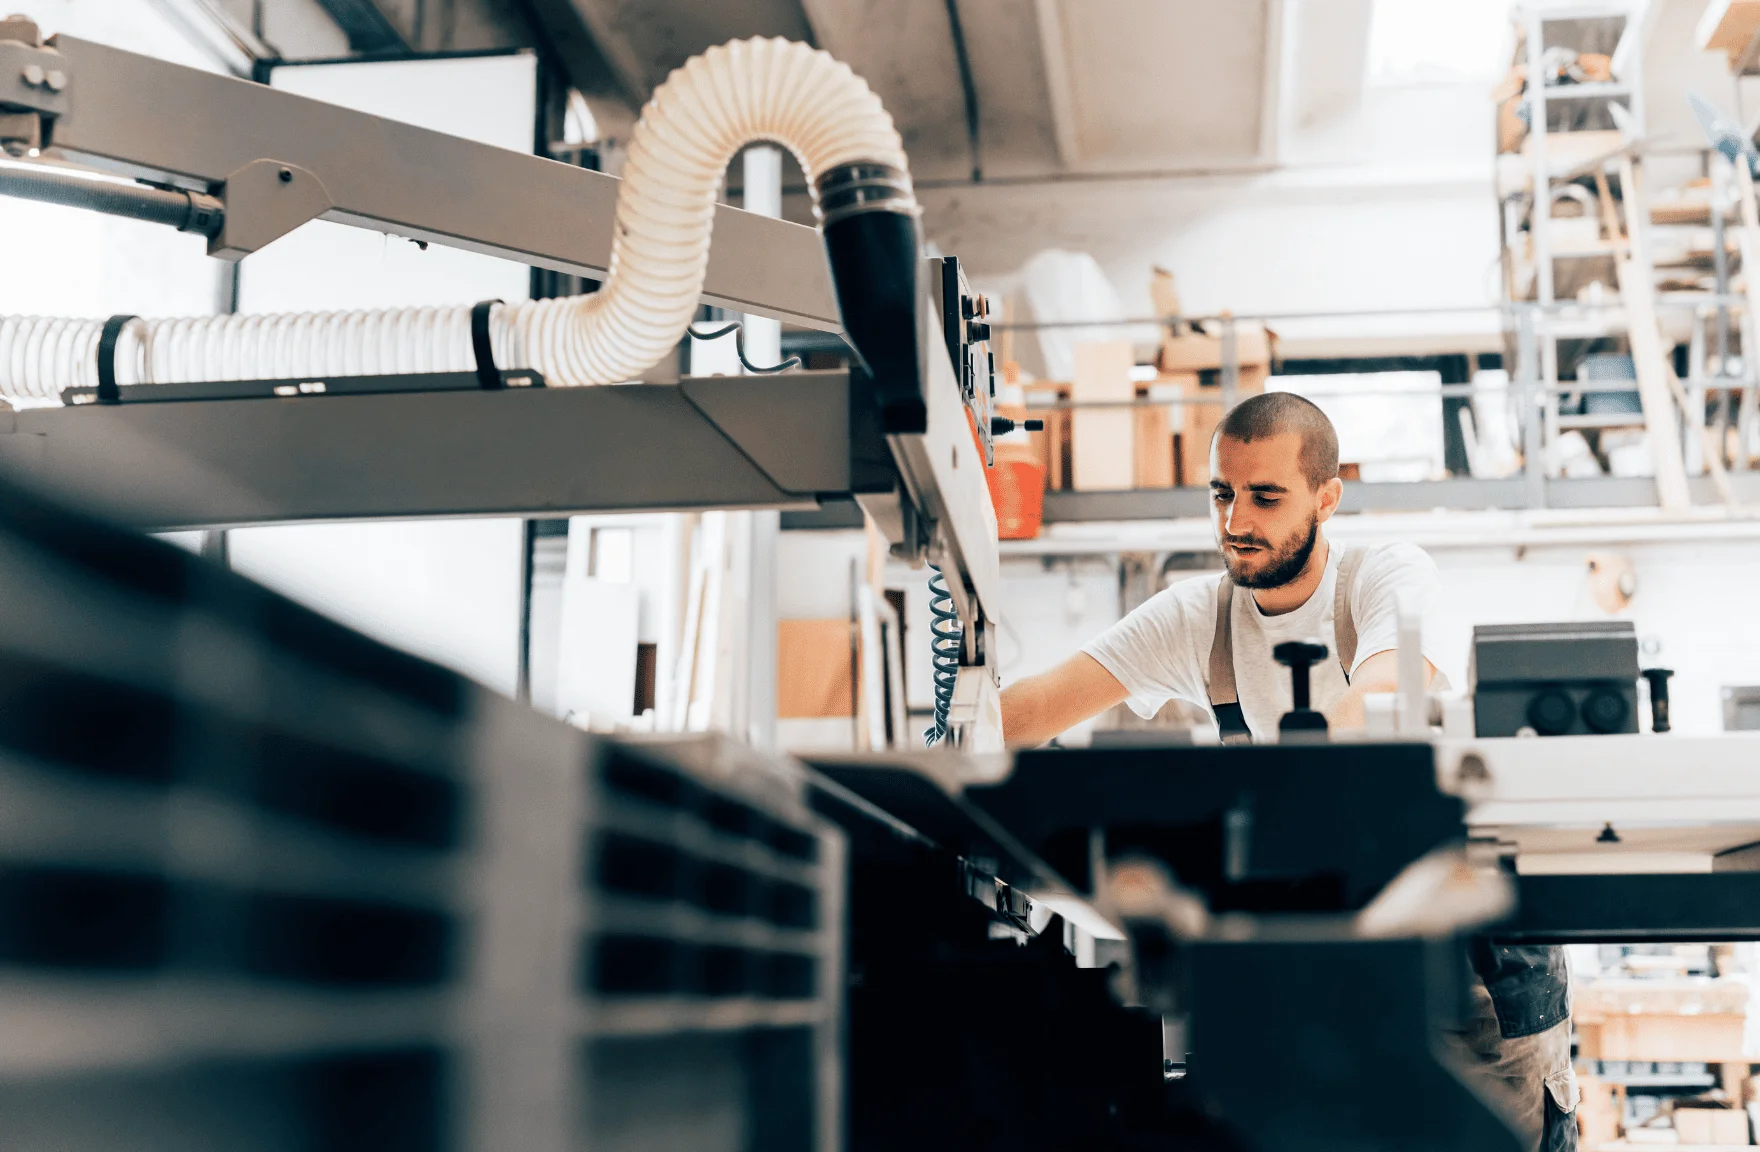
[[717, 103]]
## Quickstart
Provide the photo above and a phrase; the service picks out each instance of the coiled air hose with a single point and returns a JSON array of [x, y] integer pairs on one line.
[[716, 104], [945, 637]]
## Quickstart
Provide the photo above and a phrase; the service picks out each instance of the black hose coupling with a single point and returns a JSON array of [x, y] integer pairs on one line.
[[874, 241]]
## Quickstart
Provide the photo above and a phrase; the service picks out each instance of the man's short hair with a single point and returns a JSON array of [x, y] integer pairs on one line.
[[1277, 413]]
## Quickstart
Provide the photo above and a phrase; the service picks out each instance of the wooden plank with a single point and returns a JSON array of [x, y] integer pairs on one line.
[[1100, 439], [1748, 237], [1710, 1038], [1049, 444], [1711, 1126], [1153, 447], [813, 669], [1648, 357], [1728, 26]]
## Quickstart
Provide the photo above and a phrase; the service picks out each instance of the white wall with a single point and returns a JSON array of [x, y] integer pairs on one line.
[[447, 590], [1391, 207]]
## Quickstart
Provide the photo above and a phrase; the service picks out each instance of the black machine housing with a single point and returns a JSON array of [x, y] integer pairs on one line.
[[1568, 679]]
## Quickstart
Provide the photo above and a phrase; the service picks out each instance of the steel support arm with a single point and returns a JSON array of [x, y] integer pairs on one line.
[[155, 120]]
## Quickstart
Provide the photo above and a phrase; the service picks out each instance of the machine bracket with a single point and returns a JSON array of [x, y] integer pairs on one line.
[[35, 86], [265, 200]]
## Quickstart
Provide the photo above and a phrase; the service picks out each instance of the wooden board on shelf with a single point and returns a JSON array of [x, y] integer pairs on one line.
[[1051, 444], [1711, 1038], [1659, 997], [1199, 352], [1569, 151], [1153, 463], [813, 669], [1200, 419], [1101, 438], [1728, 26], [1711, 1126]]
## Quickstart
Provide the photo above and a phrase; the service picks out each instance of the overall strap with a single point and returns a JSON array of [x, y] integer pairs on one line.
[[1344, 626], [1225, 701]]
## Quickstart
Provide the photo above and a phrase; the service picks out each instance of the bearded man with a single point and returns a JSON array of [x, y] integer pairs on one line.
[[1273, 484]]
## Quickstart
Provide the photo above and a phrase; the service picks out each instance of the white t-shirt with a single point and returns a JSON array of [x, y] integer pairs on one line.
[[1162, 650]]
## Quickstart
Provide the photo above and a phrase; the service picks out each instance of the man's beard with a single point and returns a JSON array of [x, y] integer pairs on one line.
[[1284, 564]]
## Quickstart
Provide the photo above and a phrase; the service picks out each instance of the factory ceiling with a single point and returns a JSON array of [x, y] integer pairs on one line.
[[1024, 89]]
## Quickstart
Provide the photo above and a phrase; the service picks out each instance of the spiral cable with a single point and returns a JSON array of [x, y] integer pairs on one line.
[[945, 636]]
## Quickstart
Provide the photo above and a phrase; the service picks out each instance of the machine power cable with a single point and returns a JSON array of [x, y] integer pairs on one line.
[[739, 347], [945, 638]]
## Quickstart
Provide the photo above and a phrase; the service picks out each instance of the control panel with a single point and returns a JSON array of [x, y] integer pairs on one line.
[[965, 319]]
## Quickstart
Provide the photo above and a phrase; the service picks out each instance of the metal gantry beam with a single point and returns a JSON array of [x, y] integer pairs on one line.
[[720, 442], [148, 118]]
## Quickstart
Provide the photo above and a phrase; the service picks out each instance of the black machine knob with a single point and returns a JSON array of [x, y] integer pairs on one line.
[[1605, 711], [1300, 656], [1658, 678], [1551, 712], [1002, 425]]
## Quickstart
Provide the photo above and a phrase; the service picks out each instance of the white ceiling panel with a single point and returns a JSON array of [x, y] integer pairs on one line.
[[1160, 84]]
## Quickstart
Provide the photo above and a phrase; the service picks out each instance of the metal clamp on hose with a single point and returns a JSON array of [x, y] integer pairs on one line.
[[488, 376], [108, 390]]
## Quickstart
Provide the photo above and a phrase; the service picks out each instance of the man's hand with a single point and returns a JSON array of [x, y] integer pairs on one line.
[[1039, 707], [1378, 673]]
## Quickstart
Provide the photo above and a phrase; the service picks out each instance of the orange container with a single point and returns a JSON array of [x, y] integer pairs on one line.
[[1017, 489]]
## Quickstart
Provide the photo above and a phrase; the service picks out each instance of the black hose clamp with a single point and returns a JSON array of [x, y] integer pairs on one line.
[[108, 390], [488, 376]]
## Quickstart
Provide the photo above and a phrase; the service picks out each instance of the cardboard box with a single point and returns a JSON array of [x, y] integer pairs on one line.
[[1200, 352], [1711, 1125], [1200, 419], [1101, 439]]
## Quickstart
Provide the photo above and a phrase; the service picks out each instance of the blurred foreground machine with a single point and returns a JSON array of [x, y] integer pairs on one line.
[[1295, 916], [268, 884]]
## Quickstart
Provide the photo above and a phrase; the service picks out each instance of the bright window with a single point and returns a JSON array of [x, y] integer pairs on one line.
[[1438, 40]]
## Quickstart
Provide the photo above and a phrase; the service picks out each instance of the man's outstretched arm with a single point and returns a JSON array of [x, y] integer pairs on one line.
[[1039, 707], [1378, 673]]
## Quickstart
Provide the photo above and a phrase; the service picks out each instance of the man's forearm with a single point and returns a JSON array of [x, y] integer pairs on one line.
[[1024, 714], [1379, 673], [1039, 707]]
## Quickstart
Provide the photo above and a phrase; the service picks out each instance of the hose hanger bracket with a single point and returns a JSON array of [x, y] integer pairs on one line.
[[109, 392], [488, 376], [264, 201]]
